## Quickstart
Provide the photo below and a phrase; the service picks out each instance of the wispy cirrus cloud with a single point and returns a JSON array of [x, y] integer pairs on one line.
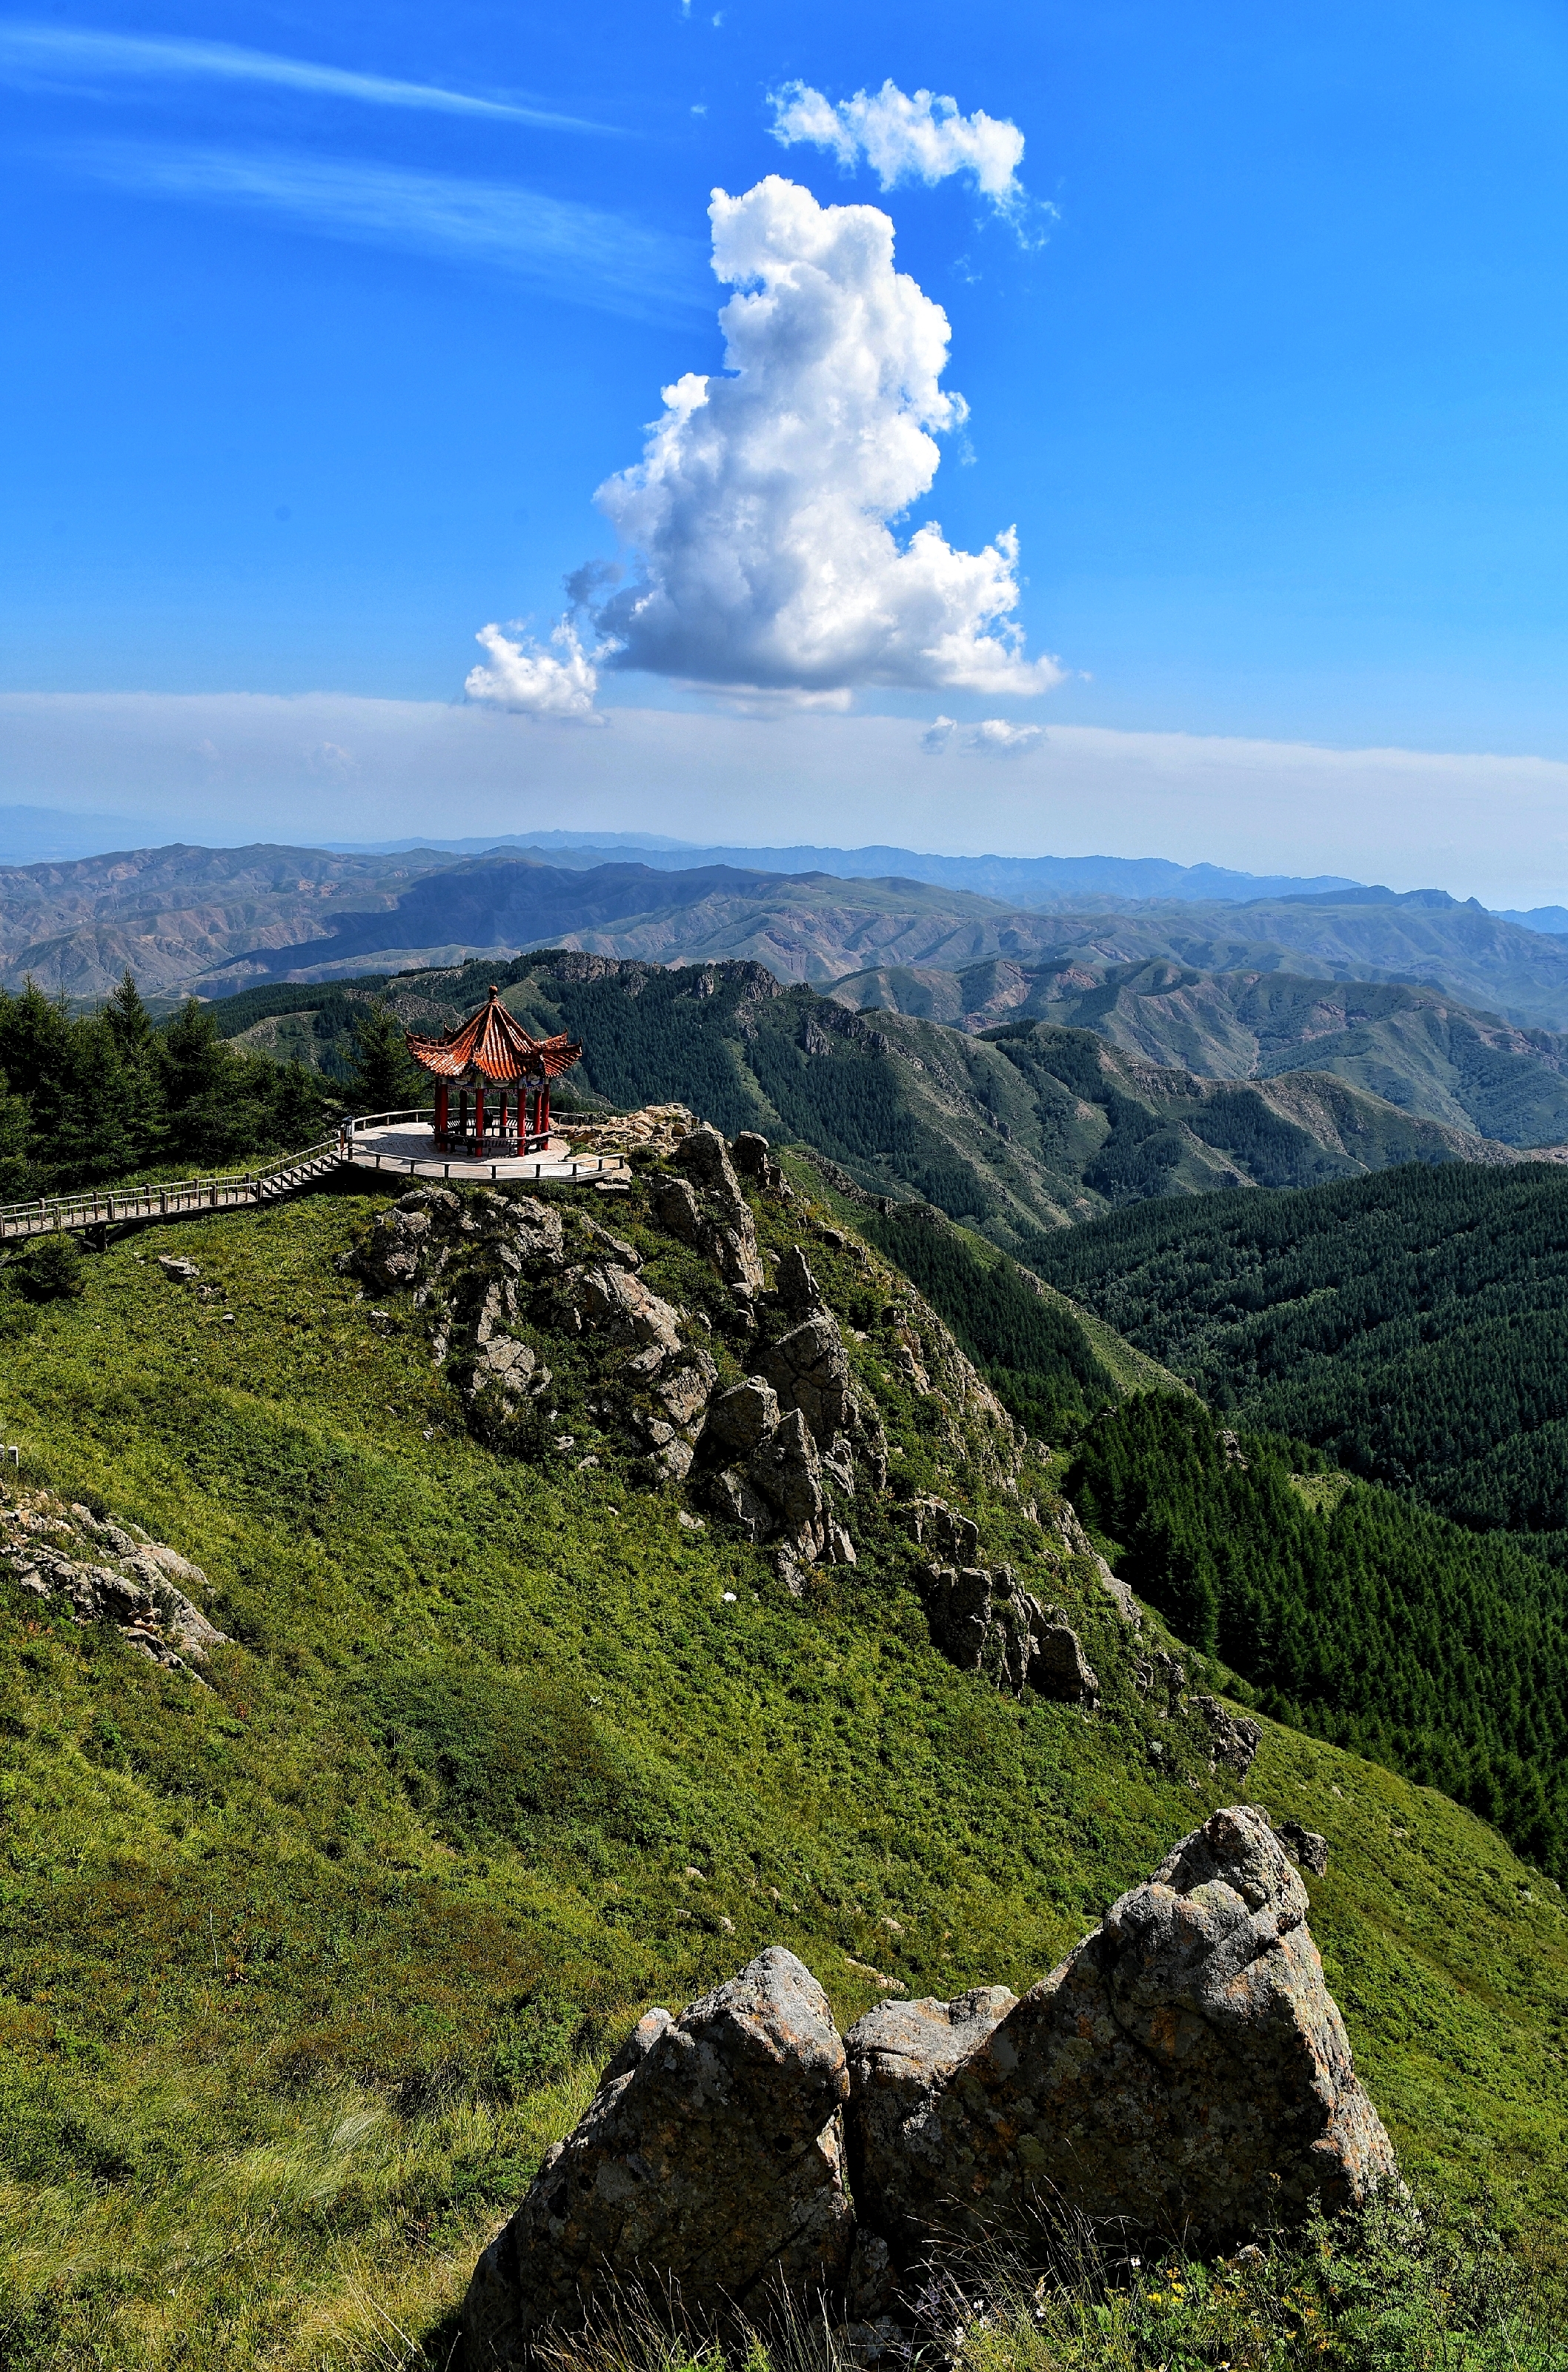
[[568, 250], [34, 54]]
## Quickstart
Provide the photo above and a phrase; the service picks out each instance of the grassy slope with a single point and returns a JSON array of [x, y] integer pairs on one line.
[[275, 1977]]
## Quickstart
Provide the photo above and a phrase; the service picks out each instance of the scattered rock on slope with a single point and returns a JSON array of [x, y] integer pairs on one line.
[[711, 2158], [109, 1573], [1185, 2069]]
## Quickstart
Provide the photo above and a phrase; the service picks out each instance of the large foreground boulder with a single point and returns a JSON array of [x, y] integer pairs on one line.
[[710, 2160], [1184, 2071]]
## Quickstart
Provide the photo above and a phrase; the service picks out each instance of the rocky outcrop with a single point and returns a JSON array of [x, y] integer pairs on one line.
[[109, 1572], [798, 1288], [983, 1621], [1234, 1739], [1304, 1846], [1183, 2074], [620, 1306], [808, 1368], [754, 1159], [681, 1397], [656, 1129], [710, 2162], [740, 1420], [1061, 1669], [717, 1217], [1185, 2071]]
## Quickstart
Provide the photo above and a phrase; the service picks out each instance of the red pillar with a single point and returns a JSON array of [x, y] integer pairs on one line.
[[441, 1092], [479, 1120], [544, 1115]]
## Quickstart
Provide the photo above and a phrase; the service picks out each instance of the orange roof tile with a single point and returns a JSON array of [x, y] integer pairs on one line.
[[494, 1044]]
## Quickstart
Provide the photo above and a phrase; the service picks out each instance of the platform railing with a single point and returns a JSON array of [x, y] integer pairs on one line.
[[105, 1206]]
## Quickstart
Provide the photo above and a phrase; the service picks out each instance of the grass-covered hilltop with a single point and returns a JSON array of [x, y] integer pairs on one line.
[[316, 1931]]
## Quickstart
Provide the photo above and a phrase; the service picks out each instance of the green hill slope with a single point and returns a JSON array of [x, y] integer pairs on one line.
[[1413, 1326], [1027, 1129], [1413, 1046], [300, 1970]]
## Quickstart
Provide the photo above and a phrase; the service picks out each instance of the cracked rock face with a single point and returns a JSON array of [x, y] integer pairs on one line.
[[983, 1621], [809, 1370], [720, 1223], [787, 1473], [739, 1420], [1185, 2070], [623, 1305], [710, 2157]]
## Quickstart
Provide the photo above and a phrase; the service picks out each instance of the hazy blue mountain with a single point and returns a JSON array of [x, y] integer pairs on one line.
[[1023, 880], [1553, 919], [1414, 1047]]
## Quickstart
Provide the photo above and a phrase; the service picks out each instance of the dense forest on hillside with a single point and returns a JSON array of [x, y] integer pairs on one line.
[[1353, 1615], [92, 1097], [1016, 1133], [1413, 1326], [1033, 1351]]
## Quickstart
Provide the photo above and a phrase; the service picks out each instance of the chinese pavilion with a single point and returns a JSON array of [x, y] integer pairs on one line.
[[490, 1055]]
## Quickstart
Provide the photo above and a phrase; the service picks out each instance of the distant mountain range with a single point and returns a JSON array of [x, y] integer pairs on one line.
[[1021, 880], [1444, 1011], [1414, 1047]]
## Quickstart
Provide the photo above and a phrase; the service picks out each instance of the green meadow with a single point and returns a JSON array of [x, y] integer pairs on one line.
[[301, 1971]]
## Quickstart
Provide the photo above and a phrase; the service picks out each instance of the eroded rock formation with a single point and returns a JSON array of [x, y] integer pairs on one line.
[[1185, 2069], [983, 1621], [108, 1571], [1184, 2074], [711, 2158]]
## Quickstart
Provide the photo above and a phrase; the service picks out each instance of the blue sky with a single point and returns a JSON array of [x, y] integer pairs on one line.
[[322, 327]]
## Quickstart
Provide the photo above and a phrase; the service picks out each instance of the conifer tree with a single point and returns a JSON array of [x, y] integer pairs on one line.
[[385, 1077]]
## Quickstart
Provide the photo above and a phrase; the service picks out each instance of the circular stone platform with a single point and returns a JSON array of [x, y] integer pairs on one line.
[[408, 1149]]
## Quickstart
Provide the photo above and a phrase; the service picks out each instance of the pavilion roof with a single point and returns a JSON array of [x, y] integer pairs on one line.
[[492, 1044]]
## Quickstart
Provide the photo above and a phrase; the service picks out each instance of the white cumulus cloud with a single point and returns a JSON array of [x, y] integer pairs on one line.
[[995, 737], [761, 521], [1001, 739], [923, 139], [530, 681]]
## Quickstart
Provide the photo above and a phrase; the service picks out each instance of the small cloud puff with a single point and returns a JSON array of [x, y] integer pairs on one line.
[[530, 682], [903, 139], [1003, 739], [761, 516], [995, 737]]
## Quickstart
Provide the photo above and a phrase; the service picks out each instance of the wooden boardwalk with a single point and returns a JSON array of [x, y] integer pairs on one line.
[[113, 1206]]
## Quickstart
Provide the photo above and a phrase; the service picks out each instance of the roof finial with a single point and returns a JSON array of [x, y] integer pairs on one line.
[[494, 992]]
